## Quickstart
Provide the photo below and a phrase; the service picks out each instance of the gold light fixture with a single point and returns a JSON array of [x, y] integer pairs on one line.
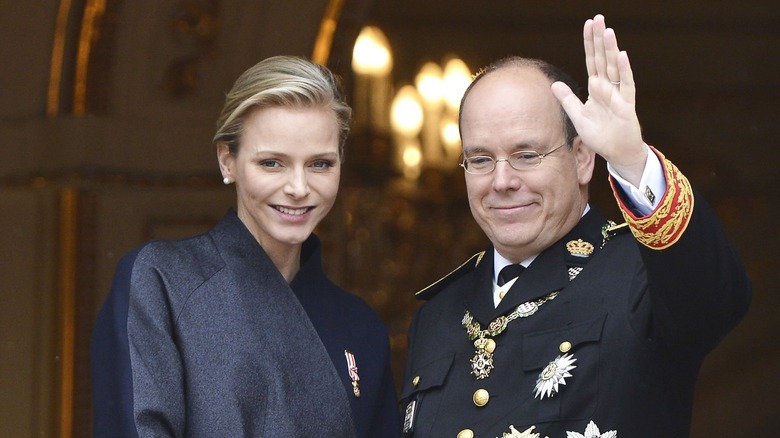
[[406, 120], [421, 118], [439, 91], [372, 62], [371, 54]]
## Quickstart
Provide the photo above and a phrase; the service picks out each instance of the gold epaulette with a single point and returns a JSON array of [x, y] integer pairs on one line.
[[611, 230], [470, 264], [666, 224]]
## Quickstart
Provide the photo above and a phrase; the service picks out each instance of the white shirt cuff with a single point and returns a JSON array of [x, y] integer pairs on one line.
[[652, 185]]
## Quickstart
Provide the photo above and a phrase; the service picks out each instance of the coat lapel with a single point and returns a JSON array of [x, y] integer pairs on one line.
[[295, 351], [479, 296]]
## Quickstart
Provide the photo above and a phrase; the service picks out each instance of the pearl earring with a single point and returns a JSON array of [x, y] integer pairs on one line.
[[226, 180]]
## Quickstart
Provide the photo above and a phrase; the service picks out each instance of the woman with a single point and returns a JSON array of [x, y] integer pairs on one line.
[[238, 332]]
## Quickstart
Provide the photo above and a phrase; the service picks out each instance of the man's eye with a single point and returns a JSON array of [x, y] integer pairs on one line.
[[480, 161], [526, 156]]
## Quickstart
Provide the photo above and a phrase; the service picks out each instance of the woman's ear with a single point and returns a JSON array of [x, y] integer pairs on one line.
[[225, 159], [586, 159]]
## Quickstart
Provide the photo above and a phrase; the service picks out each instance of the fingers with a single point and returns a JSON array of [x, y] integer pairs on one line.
[[599, 54], [587, 35], [569, 101], [601, 50], [611, 54], [627, 85]]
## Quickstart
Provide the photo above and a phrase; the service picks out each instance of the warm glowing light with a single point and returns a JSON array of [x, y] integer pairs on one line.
[[406, 113], [371, 54], [457, 78], [429, 83], [412, 156], [450, 135]]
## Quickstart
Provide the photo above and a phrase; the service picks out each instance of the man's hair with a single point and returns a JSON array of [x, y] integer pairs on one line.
[[281, 81], [553, 73]]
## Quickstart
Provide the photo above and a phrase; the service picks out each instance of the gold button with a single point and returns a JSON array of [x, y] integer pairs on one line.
[[501, 295], [416, 381], [481, 397], [490, 346], [466, 433], [565, 346]]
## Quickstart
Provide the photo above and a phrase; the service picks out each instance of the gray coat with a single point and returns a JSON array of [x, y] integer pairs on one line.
[[204, 337]]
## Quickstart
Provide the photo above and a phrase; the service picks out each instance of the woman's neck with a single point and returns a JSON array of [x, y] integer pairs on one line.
[[286, 258]]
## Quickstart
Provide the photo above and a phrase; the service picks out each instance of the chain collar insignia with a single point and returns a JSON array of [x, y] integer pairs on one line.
[[482, 362]]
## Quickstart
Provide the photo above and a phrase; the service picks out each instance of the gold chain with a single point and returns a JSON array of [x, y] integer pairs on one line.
[[482, 362]]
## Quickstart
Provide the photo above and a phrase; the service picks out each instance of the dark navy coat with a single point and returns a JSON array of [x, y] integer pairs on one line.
[[204, 337]]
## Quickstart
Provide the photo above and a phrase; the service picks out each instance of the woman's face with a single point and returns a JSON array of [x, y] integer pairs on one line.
[[286, 171]]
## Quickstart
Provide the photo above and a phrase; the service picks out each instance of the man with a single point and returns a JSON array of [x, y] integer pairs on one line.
[[604, 331]]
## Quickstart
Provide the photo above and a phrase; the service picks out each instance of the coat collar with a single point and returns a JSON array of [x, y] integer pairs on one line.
[[310, 272], [234, 240]]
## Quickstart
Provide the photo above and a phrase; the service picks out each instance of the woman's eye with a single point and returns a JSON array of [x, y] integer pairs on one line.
[[270, 164], [322, 164]]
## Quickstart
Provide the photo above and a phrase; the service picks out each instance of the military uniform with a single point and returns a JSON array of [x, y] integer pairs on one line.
[[599, 334]]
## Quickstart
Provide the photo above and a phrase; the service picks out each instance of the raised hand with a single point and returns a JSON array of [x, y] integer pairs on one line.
[[607, 122]]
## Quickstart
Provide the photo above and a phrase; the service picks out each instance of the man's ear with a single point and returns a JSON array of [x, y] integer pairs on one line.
[[586, 159]]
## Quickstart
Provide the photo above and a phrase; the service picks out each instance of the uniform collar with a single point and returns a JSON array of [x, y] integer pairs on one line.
[[547, 273], [499, 262]]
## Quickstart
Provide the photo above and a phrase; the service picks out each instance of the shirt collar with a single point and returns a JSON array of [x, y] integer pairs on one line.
[[499, 261]]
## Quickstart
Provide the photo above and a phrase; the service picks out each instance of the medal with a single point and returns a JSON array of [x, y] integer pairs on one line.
[[514, 433], [352, 368], [554, 374], [409, 417], [592, 431]]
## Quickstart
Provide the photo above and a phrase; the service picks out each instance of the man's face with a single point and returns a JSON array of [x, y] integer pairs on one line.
[[522, 212]]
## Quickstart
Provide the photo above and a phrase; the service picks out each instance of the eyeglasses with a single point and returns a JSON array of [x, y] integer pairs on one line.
[[520, 160]]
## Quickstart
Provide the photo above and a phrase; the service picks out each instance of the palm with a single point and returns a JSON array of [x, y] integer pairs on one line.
[[608, 117], [607, 122]]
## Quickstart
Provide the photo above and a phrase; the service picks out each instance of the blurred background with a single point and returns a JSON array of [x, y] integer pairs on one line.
[[107, 108]]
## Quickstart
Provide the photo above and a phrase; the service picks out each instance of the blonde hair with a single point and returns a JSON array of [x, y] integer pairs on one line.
[[285, 81]]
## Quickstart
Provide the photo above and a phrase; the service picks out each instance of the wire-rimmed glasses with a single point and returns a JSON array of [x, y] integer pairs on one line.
[[520, 160]]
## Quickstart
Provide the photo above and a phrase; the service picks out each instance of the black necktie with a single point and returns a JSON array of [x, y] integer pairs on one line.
[[509, 272]]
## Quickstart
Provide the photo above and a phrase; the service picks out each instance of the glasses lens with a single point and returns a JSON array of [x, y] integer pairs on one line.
[[524, 159], [479, 164]]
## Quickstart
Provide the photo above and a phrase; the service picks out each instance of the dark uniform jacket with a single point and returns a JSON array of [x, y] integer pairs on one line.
[[204, 337], [618, 348]]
